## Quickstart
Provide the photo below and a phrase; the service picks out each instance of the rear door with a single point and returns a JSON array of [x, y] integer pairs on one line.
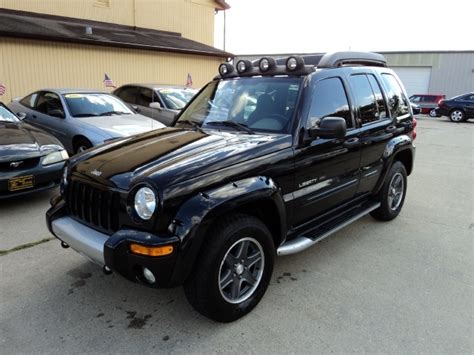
[[379, 113], [326, 170], [469, 105]]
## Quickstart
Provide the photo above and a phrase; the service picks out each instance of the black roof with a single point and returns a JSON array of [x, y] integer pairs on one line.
[[21, 24]]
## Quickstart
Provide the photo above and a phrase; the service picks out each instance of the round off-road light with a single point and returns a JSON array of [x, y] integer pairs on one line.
[[294, 63], [241, 66], [145, 203], [225, 69], [148, 275], [265, 64]]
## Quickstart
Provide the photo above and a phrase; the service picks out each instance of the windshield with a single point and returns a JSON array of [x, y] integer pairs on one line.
[[6, 115], [261, 104], [83, 105], [176, 99]]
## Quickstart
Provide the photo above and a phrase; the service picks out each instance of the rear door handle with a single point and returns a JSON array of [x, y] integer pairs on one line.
[[351, 143]]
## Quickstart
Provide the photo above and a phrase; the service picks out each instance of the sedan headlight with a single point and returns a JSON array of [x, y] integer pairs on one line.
[[55, 157], [145, 203]]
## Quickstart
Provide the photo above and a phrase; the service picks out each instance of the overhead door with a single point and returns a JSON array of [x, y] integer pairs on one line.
[[415, 79]]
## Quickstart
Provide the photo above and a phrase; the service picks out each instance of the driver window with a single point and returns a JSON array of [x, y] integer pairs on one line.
[[329, 99], [48, 102]]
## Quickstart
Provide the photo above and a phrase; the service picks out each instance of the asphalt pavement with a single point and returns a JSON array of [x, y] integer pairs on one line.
[[404, 286]]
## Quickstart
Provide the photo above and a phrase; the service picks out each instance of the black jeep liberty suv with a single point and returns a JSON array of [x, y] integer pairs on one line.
[[267, 159]]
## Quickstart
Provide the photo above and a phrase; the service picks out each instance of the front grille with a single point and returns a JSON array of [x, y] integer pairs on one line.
[[19, 164], [96, 207]]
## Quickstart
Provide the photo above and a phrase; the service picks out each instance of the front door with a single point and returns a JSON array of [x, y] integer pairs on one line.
[[326, 170]]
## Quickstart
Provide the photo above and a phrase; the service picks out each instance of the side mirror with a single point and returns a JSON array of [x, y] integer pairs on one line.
[[329, 127], [415, 108], [21, 115], [155, 105], [56, 113]]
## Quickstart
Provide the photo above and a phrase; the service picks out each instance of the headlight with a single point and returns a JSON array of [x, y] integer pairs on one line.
[[55, 157], [64, 178], [145, 203]]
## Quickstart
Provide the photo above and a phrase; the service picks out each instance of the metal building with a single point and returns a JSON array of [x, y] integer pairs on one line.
[[436, 72], [74, 43]]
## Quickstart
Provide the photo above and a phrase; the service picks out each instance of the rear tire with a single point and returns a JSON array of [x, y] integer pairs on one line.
[[457, 115], [237, 252], [81, 144], [433, 113], [392, 195]]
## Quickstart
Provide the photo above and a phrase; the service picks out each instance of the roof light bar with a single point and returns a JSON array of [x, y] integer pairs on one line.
[[244, 66], [226, 69], [294, 63], [266, 64]]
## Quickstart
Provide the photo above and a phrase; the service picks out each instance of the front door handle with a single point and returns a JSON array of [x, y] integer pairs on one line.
[[351, 143]]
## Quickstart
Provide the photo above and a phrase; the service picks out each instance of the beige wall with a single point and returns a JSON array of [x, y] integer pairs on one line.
[[27, 65], [194, 19]]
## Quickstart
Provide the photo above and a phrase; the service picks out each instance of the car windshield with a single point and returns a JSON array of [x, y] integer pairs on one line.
[[6, 115], [95, 104], [259, 104], [176, 99]]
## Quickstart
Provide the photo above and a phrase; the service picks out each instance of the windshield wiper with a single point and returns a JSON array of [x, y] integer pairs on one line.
[[109, 113], [85, 115], [195, 124], [231, 123]]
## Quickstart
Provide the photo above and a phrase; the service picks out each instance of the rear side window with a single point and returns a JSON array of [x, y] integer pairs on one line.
[[128, 94], [377, 90], [30, 100], [365, 98], [397, 101], [146, 97], [330, 99]]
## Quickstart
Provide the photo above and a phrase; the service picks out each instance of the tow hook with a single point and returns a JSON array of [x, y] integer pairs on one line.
[[64, 245], [106, 270]]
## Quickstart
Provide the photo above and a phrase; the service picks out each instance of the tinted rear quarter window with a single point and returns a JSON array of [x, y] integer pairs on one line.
[[330, 99], [128, 94], [29, 101], [397, 101]]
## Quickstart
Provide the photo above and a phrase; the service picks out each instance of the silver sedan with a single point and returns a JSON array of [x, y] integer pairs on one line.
[[81, 119]]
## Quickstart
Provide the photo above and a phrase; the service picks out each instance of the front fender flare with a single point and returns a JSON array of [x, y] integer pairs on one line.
[[196, 214]]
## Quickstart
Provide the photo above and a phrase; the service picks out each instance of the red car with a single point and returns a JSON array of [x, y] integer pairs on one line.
[[427, 103]]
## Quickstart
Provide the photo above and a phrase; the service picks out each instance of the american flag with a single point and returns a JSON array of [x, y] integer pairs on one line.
[[189, 80], [108, 82], [3, 89]]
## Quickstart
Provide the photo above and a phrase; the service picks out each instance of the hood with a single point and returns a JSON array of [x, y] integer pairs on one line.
[[122, 125], [172, 155], [20, 140]]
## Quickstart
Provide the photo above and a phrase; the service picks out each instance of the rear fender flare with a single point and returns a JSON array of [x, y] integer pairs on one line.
[[393, 147]]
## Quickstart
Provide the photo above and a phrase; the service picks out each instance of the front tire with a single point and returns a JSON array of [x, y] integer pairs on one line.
[[457, 115], [233, 270], [81, 145], [393, 192], [433, 113]]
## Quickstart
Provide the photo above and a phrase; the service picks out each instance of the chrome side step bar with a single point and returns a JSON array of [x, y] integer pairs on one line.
[[301, 243]]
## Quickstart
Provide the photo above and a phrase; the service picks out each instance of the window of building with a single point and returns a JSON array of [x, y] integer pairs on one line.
[[102, 3], [330, 99], [397, 101]]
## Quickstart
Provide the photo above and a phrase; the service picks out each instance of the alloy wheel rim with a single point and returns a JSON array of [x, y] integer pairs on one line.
[[395, 191], [241, 270], [81, 149], [456, 116]]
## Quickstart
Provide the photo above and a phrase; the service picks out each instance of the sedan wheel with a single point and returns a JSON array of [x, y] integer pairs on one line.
[[457, 116], [433, 113]]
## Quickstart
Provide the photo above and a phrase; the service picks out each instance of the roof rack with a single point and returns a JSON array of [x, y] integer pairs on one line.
[[340, 59]]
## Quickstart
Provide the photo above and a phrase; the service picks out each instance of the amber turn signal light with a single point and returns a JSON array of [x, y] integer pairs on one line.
[[151, 251]]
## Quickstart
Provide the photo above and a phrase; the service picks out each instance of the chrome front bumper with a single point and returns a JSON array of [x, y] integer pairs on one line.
[[85, 240]]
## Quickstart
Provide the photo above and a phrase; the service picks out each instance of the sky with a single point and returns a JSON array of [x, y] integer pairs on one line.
[[305, 26]]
